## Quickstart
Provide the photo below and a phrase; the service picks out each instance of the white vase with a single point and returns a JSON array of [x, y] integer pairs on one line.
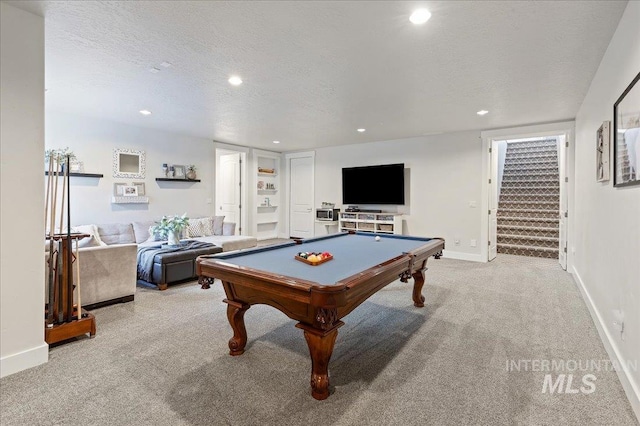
[[173, 238]]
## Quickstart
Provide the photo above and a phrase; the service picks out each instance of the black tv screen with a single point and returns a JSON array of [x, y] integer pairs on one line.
[[373, 184]]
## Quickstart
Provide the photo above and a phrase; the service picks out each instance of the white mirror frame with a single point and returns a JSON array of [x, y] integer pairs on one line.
[[141, 163]]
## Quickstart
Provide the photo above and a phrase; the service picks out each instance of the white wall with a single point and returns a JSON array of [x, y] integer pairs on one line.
[[445, 175], [607, 224], [21, 191], [93, 141]]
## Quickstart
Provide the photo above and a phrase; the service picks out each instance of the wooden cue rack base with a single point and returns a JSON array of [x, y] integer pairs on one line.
[[71, 329]]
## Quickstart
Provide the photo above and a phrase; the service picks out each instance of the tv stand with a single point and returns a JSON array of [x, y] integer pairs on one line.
[[365, 221]]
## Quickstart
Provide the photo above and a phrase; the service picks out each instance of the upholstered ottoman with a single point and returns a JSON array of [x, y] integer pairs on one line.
[[174, 266]]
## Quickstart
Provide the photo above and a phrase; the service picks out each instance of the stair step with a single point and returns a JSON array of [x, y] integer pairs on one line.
[[525, 198], [522, 179], [529, 228], [502, 219], [551, 149], [534, 171], [527, 211], [522, 247], [529, 204], [529, 238], [528, 252], [535, 143]]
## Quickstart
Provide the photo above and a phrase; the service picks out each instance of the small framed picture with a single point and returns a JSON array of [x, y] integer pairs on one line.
[[118, 189], [140, 186], [180, 172], [602, 153], [130, 191]]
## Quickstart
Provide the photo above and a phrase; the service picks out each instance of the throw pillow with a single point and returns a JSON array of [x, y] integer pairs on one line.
[[199, 227], [89, 242], [92, 230], [217, 224]]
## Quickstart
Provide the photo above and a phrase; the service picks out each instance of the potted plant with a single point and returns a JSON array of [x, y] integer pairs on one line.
[[191, 172], [59, 156], [170, 227]]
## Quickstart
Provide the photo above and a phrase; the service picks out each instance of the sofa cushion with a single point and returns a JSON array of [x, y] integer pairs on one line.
[[217, 222], [94, 238], [141, 230], [202, 227], [116, 233]]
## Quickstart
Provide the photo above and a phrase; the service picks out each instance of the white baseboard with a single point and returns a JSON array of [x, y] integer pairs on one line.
[[447, 254], [631, 388], [23, 360]]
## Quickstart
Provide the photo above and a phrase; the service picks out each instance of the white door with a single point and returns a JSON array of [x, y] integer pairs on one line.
[[493, 202], [228, 189], [562, 155], [301, 220]]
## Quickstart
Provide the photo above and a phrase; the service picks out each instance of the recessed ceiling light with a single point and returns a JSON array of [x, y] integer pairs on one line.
[[276, 141], [145, 112], [482, 112], [154, 70], [420, 16], [235, 80], [166, 64], [361, 130]]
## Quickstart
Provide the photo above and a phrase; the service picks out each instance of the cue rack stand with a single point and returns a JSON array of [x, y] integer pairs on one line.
[[63, 319]]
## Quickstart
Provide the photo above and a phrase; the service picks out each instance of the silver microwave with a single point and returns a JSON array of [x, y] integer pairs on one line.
[[327, 214]]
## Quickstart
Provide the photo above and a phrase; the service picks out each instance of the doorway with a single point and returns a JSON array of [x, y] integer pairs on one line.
[[300, 184], [527, 193], [230, 194]]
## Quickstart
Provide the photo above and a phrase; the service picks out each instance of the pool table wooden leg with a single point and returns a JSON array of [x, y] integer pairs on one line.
[[418, 282], [235, 314], [320, 344]]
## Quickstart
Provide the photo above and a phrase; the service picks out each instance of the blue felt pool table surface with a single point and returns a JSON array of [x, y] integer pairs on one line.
[[352, 254]]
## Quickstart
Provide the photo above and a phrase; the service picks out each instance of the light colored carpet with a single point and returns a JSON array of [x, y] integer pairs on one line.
[[163, 359]]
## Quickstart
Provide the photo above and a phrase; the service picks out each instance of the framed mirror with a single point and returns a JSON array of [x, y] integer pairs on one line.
[[626, 134], [128, 163]]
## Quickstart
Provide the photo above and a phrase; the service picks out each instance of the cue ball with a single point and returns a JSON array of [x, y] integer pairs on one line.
[[377, 238]]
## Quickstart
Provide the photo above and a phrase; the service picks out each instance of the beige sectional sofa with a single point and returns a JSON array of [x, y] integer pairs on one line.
[[108, 267]]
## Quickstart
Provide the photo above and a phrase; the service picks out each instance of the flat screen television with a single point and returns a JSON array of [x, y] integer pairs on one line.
[[382, 184]]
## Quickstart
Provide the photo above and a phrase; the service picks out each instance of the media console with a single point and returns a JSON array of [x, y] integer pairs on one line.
[[377, 223]]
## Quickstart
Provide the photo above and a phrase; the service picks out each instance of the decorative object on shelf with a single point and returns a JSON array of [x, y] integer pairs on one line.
[[179, 172], [170, 227], [118, 189], [128, 163], [165, 169], [191, 172], [271, 186], [260, 184], [626, 131], [266, 170], [140, 186], [327, 205], [602, 153], [59, 154], [129, 191], [171, 172]]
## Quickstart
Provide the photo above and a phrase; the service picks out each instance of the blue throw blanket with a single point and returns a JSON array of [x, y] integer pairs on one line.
[[148, 253]]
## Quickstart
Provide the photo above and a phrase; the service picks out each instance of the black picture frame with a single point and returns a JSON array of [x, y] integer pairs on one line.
[[626, 136]]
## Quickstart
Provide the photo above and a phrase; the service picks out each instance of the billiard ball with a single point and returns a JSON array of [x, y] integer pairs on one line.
[[377, 238]]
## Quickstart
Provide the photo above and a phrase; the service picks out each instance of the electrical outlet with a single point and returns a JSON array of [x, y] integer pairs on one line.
[[456, 242], [618, 321], [473, 243], [473, 204]]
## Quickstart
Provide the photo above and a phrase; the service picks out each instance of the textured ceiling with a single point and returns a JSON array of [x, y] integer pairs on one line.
[[315, 71]]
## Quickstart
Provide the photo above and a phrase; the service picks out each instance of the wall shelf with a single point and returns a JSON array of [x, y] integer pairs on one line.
[[176, 180], [130, 200], [378, 223], [73, 174]]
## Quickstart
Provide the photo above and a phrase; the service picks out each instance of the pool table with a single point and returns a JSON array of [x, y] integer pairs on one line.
[[318, 296]]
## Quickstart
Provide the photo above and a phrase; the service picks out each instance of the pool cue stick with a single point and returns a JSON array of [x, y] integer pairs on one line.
[[69, 241], [46, 218], [56, 282], [46, 203], [64, 186], [78, 279]]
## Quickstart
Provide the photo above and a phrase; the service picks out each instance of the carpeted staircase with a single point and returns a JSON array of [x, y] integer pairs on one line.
[[529, 201]]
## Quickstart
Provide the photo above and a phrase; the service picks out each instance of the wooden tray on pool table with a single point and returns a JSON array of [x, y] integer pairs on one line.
[[316, 263]]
